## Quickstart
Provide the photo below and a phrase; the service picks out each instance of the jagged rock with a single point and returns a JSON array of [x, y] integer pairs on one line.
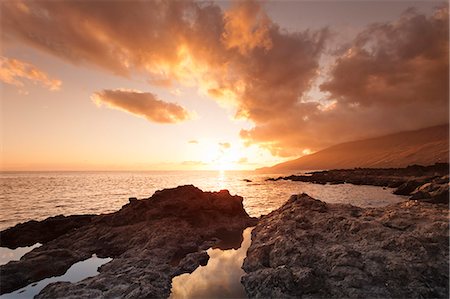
[[435, 191], [310, 249], [191, 261], [150, 241], [406, 180], [32, 232], [407, 187]]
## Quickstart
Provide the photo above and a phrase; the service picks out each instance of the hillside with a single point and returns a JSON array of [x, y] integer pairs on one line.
[[424, 147]]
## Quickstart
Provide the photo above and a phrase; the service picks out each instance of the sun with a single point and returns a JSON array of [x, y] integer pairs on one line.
[[222, 156], [226, 161]]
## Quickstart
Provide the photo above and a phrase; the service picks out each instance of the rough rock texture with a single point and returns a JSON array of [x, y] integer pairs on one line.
[[150, 241], [435, 191], [407, 180], [32, 232], [310, 249]]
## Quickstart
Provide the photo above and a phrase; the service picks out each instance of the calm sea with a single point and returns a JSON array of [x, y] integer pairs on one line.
[[38, 195]]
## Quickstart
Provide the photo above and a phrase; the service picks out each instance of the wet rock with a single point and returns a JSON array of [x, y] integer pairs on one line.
[[310, 249], [150, 241]]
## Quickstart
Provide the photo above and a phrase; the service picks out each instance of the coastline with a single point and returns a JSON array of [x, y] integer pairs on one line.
[[425, 183], [150, 241], [153, 240]]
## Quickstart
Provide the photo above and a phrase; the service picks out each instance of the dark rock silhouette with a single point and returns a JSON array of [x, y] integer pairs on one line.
[[310, 249], [32, 232], [407, 180], [150, 241]]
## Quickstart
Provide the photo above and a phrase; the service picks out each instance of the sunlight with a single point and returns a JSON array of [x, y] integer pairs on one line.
[[221, 156], [227, 159], [221, 180]]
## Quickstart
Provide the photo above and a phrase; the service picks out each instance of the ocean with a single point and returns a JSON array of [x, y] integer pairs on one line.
[[38, 195]]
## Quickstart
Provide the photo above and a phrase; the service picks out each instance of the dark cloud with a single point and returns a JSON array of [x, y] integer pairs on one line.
[[404, 62], [143, 104], [393, 77]]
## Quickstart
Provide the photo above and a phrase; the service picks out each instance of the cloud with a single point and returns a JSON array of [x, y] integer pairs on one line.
[[392, 64], [239, 56], [193, 141], [224, 145], [246, 28], [16, 72], [392, 77], [143, 104]]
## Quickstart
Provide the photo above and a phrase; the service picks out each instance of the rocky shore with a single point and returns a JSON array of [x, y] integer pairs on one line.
[[305, 249], [310, 249], [424, 183], [150, 240]]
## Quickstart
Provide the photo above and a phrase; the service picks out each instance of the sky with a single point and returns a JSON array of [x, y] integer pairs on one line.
[[185, 85]]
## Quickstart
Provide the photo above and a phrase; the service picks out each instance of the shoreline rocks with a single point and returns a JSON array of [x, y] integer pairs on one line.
[[32, 232], [407, 181], [150, 240], [309, 249]]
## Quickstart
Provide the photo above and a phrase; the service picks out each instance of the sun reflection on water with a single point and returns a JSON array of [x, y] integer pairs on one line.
[[221, 183]]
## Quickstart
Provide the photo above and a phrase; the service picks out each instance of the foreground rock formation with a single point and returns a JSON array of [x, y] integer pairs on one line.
[[150, 241], [310, 249], [432, 181]]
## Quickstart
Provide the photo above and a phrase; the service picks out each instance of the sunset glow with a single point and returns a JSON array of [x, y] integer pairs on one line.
[[87, 88], [224, 149]]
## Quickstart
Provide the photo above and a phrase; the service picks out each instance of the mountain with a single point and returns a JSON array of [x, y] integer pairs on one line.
[[424, 147]]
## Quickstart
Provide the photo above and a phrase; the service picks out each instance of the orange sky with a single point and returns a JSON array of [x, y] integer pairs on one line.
[[227, 85]]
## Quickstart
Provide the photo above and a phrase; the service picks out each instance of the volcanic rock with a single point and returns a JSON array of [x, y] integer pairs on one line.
[[32, 232], [310, 249], [435, 191], [406, 180]]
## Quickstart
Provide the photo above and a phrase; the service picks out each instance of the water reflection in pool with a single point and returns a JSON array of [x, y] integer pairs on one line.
[[220, 278], [75, 273], [7, 255]]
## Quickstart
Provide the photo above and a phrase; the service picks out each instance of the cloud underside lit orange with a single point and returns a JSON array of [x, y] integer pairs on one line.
[[17, 72], [392, 76], [143, 104]]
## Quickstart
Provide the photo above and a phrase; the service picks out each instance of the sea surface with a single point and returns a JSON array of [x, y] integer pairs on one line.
[[37, 195]]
